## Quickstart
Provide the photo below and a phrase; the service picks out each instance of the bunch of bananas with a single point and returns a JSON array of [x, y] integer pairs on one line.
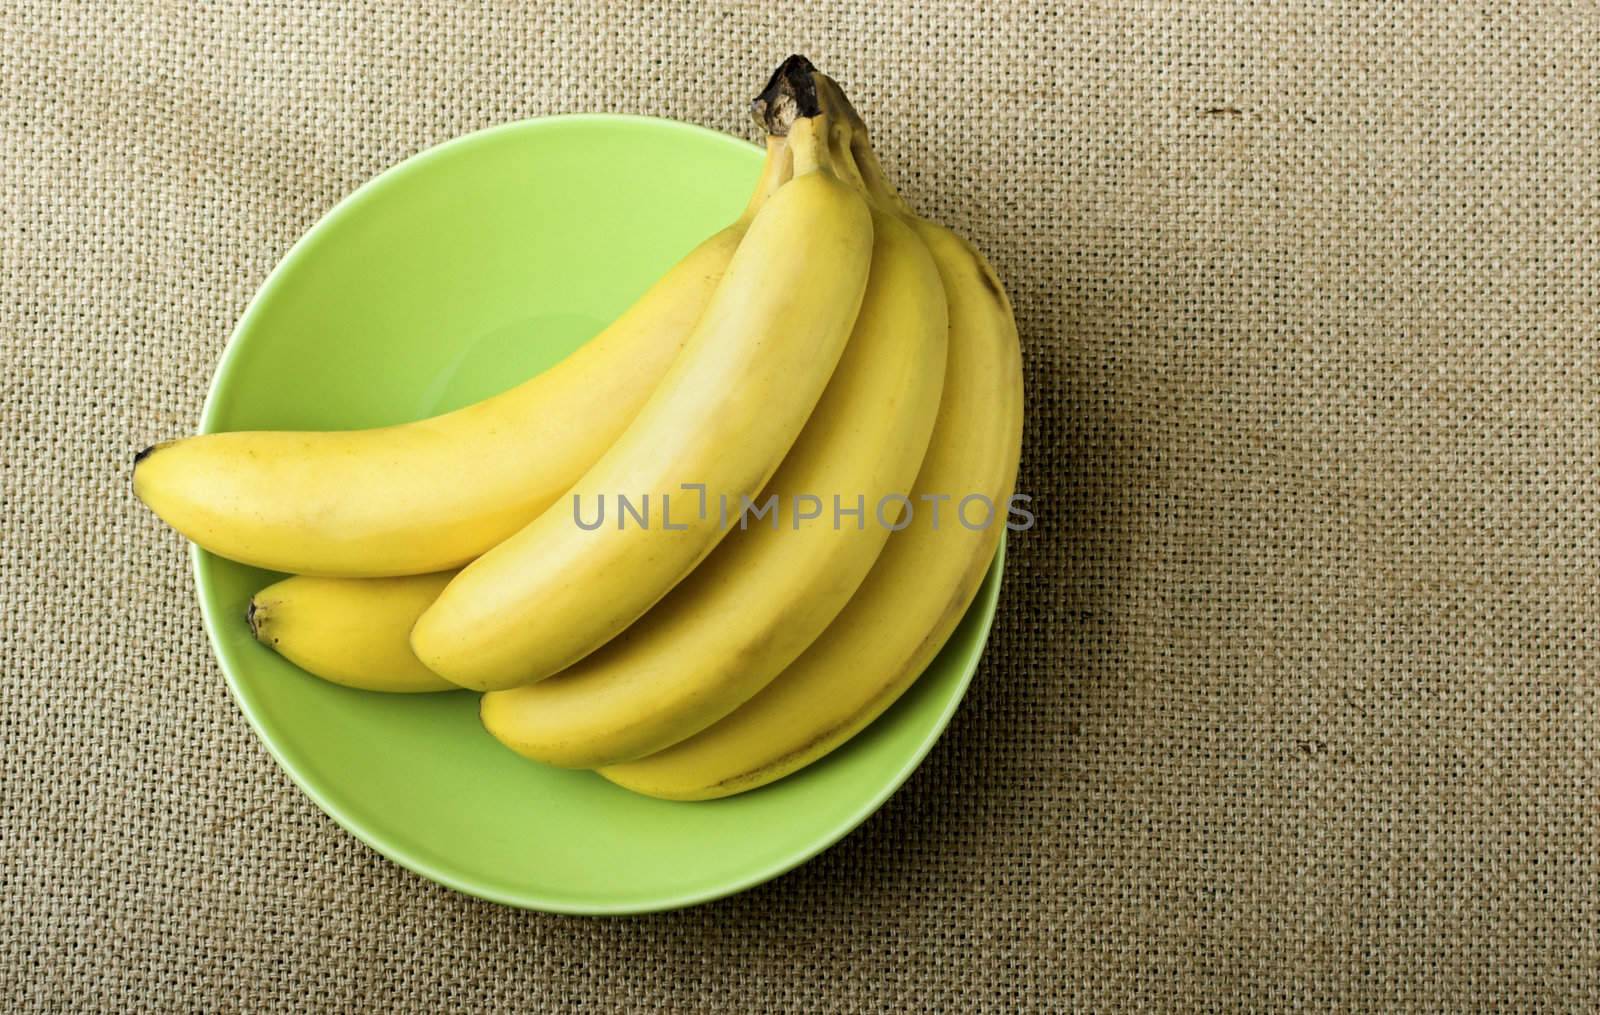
[[827, 354]]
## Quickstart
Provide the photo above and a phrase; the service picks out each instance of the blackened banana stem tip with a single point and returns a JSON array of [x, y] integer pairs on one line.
[[790, 95]]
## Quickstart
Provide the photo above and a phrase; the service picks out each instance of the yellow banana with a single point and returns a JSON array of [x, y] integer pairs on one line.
[[433, 494], [920, 586], [767, 591], [724, 416], [352, 631]]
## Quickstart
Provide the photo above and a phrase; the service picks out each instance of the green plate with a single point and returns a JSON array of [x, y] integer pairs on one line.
[[454, 275]]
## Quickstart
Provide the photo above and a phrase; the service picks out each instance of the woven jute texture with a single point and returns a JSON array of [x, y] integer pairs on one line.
[[1292, 700]]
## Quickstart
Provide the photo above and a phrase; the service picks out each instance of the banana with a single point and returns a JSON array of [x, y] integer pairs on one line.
[[724, 416], [767, 591], [920, 586], [433, 494], [352, 631]]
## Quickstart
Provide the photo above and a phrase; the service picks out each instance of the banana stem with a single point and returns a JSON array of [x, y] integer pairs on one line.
[[857, 156], [877, 181], [790, 95], [844, 127], [808, 141], [775, 172], [788, 108]]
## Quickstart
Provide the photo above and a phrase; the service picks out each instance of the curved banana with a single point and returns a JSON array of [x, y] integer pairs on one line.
[[920, 586], [351, 631], [434, 494], [724, 416], [766, 593]]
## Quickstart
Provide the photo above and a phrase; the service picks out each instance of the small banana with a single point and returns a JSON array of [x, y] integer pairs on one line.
[[352, 631], [767, 591], [920, 586], [723, 417], [433, 494]]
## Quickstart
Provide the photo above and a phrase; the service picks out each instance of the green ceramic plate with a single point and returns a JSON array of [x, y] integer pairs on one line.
[[454, 275]]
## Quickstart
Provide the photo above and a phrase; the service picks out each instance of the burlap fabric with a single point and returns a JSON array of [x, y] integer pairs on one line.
[[1292, 701]]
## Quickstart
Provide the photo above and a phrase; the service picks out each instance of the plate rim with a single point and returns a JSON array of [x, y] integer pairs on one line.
[[986, 599]]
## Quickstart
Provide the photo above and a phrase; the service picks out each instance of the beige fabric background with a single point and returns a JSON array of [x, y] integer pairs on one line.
[[1293, 698]]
